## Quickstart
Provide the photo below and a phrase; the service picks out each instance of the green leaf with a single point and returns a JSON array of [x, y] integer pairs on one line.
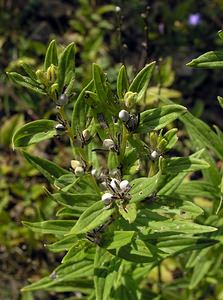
[[175, 245], [201, 132], [66, 66], [34, 132], [158, 118], [94, 216], [67, 277], [51, 55], [105, 272], [26, 82], [198, 188], [140, 82], [56, 227], [81, 107], [211, 59], [27, 68], [179, 226], [171, 137], [122, 82], [8, 128], [99, 82], [116, 239], [50, 170], [76, 201], [182, 164], [200, 271], [128, 212], [220, 100], [143, 187], [62, 245]]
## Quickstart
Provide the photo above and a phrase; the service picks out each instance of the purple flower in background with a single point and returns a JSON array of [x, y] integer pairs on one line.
[[194, 19]]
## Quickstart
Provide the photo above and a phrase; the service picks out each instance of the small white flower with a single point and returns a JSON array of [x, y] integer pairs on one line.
[[124, 115], [124, 185], [93, 172], [117, 9]]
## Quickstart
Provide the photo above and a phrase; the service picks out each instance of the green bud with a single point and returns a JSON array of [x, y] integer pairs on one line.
[[130, 99], [153, 139], [41, 76], [162, 145], [51, 74]]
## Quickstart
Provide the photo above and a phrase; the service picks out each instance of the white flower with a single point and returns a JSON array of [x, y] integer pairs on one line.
[[124, 185], [106, 198], [154, 154]]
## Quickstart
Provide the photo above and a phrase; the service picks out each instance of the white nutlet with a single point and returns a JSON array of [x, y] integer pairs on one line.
[[154, 154], [124, 185], [94, 172], [124, 115], [115, 184], [60, 128], [108, 144], [63, 100], [117, 9], [79, 171], [106, 198]]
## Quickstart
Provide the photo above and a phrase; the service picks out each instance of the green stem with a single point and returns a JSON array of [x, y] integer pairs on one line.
[[123, 143]]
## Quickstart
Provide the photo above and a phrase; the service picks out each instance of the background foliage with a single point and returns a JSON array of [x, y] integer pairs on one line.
[[102, 35]]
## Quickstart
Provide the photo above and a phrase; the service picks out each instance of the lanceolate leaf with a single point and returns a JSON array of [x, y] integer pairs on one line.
[[143, 187], [50, 170], [34, 132], [140, 82], [99, 82], [51, 55], [53, 226], [158, 118], [209, 60], [94, 216], [26, 82], [122, 82]]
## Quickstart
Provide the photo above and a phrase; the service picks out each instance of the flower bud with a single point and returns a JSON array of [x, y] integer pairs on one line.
[[86, 134], [62, 100], [124, 115], [108, 144], [154, 154], [106, 198], [51, 74], [79, 171], [124, 185], [75, 163], [130, 99]]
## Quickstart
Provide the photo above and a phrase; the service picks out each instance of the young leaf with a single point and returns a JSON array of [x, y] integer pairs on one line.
[[94, 216], [66, 66], [51, 55], [99, 82], [122, 82], [140, 82], [209, 60], [158, 118], [26, 82], [50, 170], [51, 227], [34, 132]]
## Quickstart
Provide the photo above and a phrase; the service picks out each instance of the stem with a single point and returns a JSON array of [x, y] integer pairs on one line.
[[123, 143]]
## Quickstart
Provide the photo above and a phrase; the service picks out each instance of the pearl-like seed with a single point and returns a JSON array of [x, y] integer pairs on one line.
[[115, 184], [63, 100], [154, 154], [124, 185], [124, 115], [106, 198]]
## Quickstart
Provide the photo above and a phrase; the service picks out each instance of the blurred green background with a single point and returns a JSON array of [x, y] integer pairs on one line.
[[171, 32]]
